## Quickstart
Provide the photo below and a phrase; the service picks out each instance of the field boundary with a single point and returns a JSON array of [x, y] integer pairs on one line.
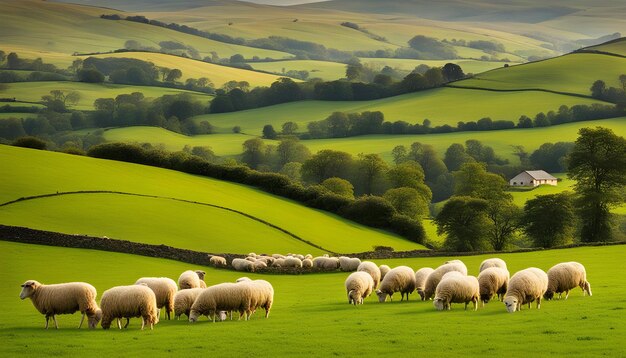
[[292, 235], [476, 88]]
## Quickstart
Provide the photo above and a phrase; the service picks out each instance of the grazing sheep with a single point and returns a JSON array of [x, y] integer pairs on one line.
[[191, 279], [222, 297], [493, 262], [349, 264], [218, 261], [279, 262], [129, 301], [308, 256], [372, 269], [251, 259], [244, 278], [263, 296], [493, 280], [292, 262], [243, 265], [565, 276], [420, 280], [383, 271], [433, 279], [307, 263], [401, 278], [164, 289], [524, 287], [184, 299], [326, 262], [359, 286], [455, 287], [63, 298], [278, 256], [259, 265]]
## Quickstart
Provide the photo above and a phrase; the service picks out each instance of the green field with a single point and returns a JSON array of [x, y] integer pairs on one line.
[[616, 47], [326, 70], [17, 115], [89, 92], [565, 184], [440, 106], [468, 66], [573, 73], [593, 325], [50, 172]]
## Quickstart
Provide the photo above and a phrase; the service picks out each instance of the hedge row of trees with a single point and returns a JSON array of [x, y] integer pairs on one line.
[[600, 90]]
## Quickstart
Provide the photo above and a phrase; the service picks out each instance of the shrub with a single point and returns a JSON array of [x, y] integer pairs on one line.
[[370, 210], [30, 142]]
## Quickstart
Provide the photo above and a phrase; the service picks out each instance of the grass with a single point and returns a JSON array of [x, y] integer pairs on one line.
[[89, 92], [17, 115], [468, 66], [332, 326], [326, 70], [573, 73], [441, 106], [50, 172], [522, 196], [617, 47]]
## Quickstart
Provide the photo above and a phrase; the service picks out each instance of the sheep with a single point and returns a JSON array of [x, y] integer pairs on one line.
[[63, 298], [129, 301], [259, 265], [218, 261], [372, 269], [292, 262], [401, 278], [359, 286], [243, 265], [164, 289], [433, 279], [307, 263], [420, 280], [262, 297], [525, 286], [222, 297], [308, 256], [349, 264], [191, 279], [565, 276], [278, 256], [251, 259], [455, 287], [492, 280], [326, 262], [383, 271], [184, 299], [493, 262], [459, 262], [279, 262]]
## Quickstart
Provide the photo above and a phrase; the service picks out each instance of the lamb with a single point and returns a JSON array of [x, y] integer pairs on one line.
[[164, 289], [222, 297], [493, 262], [401, 278], [243, 265], [384, 269], [456, 288], [525, 286], [292, 262], [372, 269], [420, 280], [326, 262], [359, 286], [307, 263], [129, 301], [218, 261], [184, 299], [349, 264], [493, 280], [565, 276], [191, 279], [433, 279], [63, 298]]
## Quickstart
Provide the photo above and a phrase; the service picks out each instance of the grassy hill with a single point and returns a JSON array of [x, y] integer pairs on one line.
[[468, 66], [617, 47], [31, 173], [325, 70], [323, 301]]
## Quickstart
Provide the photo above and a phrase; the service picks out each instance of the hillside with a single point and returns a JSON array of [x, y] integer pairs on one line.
[[617, 47], [162, 220]]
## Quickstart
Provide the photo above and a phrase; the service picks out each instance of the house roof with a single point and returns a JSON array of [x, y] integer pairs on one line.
[[540, 175]]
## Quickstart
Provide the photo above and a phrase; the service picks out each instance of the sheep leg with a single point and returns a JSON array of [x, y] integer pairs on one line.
[[55, 322], [143, 323], [539, 302], [47, 318], [475, 304], [267, 312], [81, 320], [119, 323], [127, 322], [566, 294], [466, 305]]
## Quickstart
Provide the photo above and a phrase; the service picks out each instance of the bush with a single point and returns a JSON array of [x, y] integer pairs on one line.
[[370, 210], [408, 228], [30, 142]]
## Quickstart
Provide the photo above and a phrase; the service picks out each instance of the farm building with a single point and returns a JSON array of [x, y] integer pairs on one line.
[[533, 178]]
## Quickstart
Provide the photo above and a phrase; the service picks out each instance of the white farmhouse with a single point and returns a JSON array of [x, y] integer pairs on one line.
[[533, 178]]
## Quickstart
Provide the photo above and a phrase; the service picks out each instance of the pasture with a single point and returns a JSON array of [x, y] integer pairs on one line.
[[326, 70], [311, 312], [468, 66]]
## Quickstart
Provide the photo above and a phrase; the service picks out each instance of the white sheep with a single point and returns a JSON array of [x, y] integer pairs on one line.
[[401, 278], [63, 298], [524, 287], [383, 271], [259, 265], [493, 281], [455, 287], [565, 276], [218, 261], [493, 262], [164, 289], [307, 263], [222, 297], [349, 264], [278, 256], [308, 256], [433, 279], [191, 279], [326, 262], [292, 262], [372, 270], [251, 259], [420, 280], [127, 302], [184, 299], [242, 265], [359, 286], [262, 296]]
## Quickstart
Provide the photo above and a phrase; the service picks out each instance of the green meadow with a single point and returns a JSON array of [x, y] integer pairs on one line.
[[311, 313], [615, 47], [326, 70], [468, 66]]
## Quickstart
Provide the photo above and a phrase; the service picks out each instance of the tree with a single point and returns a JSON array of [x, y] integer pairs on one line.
[[327, 164], [452, 72], [370, 173], [473, 180], [292, 171], [236, 129], [434, 77], [173, 75], [340, 187], [254, 151], [289, 128], [399, 154], [75, 66], [598, 89], [237, 59], [269, 132], [548, 220], [72, 98], [622, 80], [464, 222], [598, 164], [291, 150], [456, 156], [427, 157], [13, 61], [407, 201], [354, 70], [132, 45], [90, 75], [504, 218]]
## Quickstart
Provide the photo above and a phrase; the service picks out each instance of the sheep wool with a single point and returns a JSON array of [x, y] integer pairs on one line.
[[420, 280], [127, 302], [524, 287], [401, 278], [222, 297], [372, 269], [262, 296], [328, 263], [566, 276], [292, 262], [383, 271], [63, 298], [190, 279], [493, 281], [433, 279], [455, 287], [493, 262], [164, 289], [242, 265], [218, 261], [359, 286], [349, 264], [307, 263], [184, 299]]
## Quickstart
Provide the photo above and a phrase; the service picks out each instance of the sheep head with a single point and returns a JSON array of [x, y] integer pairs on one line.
[[28, 288], [200, 274], [439, 303], [382, 296], [548, 295], [94, 319], [587, 288], [511, 303]]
